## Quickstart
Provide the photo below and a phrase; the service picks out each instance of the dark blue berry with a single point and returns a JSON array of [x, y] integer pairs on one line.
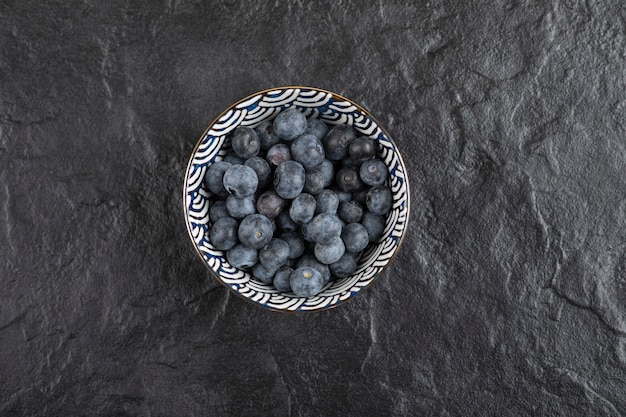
[[289, 179], [373, 172], [245, 142], [337, 141], [324, 228], [295, 242], [343, 196], [363, 148], [240, 181], [305, 233], [290, 124], [223, 233], [355, 237], [316, 128], [348, 180], [274, 254], [267, 135], [374, 224], [306, 282], [234, 159], [255, 231], [218, 210], [240, 207], [302, 208], [214, 177], [310, 261], [350, 211], [263, 273], [285, 223], [278, 154], [326, 202], [262, 170], [328, 172], [345, 266], [361, 196], [281, 278], [307, 150], [242, 257], [270, 204], [379, 200], [331, 252], [313, 181]]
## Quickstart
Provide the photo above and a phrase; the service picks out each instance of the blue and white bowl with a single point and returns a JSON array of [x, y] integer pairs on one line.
[[214, 145]]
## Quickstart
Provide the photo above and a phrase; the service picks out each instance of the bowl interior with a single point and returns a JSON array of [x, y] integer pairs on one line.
[[214, 145]]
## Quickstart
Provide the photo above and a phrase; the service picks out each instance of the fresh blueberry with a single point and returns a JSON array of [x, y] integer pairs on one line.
[[218, 210], [242, 257], [350, 211], [305, 232], [343, 196], [374, 224], [302, 208], [373, 172], [262, 170], [361, 196], [240, 207], [316, 128], [348, 180], [245, 142], [255, 231], [289, 179], [223, 233], [274, 254], [348, 161], [281, 278], [278, 154], [290, 124], [379, 200], [240, 180], [324, 228], [214, 177], [270, 204], [307, 150], [306, 282], [295, 242], [263, 273], [355, 237], [363, 148], [345, 266], [337, 141], [267, 135], [313, 181], [326, 202], [285, 223], [328, 172], [331, 252], [233, 158], [312, 262]]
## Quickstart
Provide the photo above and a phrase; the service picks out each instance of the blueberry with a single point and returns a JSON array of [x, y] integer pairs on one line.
[[285, 223], [348, 180], [350, 211], [295, 242], [245, 142], [289, 179], [223, 233], [290, 124], [337, 141], [373, 172], [307, 150], [350, 162], [379, 200], [324, 228], [274, 254], [218, 210], [262, 170], [281, 278], [360, 196], [312, 262], [263, 273], [355, 237], [305, 232], [242, 257], [233, 158], [240, 207], [345, 266], [240, 181], [328, 172], [214, 177], [326, 202], [316, 128], [306, 282], [255, 231], [363, 148], [313, 181], [278, 154], [302, 208], [270, 204], [374, 224], [267, 135], [331, 252], [343, 196]]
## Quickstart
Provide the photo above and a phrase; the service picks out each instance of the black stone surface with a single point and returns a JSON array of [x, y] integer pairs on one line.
[[508, 297]]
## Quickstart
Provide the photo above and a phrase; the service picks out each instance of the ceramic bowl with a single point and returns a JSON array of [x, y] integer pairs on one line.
[[215, 144]]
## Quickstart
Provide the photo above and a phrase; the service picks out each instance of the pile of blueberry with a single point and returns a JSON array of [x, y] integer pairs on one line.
[[297, 203]]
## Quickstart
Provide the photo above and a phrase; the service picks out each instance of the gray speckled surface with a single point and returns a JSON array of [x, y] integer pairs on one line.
[[507, 298]]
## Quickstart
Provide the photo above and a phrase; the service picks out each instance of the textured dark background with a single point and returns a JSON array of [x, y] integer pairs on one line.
[[508, 297]]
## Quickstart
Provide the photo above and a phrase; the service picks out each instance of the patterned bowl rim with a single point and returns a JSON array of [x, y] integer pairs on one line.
[[336, 96]]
